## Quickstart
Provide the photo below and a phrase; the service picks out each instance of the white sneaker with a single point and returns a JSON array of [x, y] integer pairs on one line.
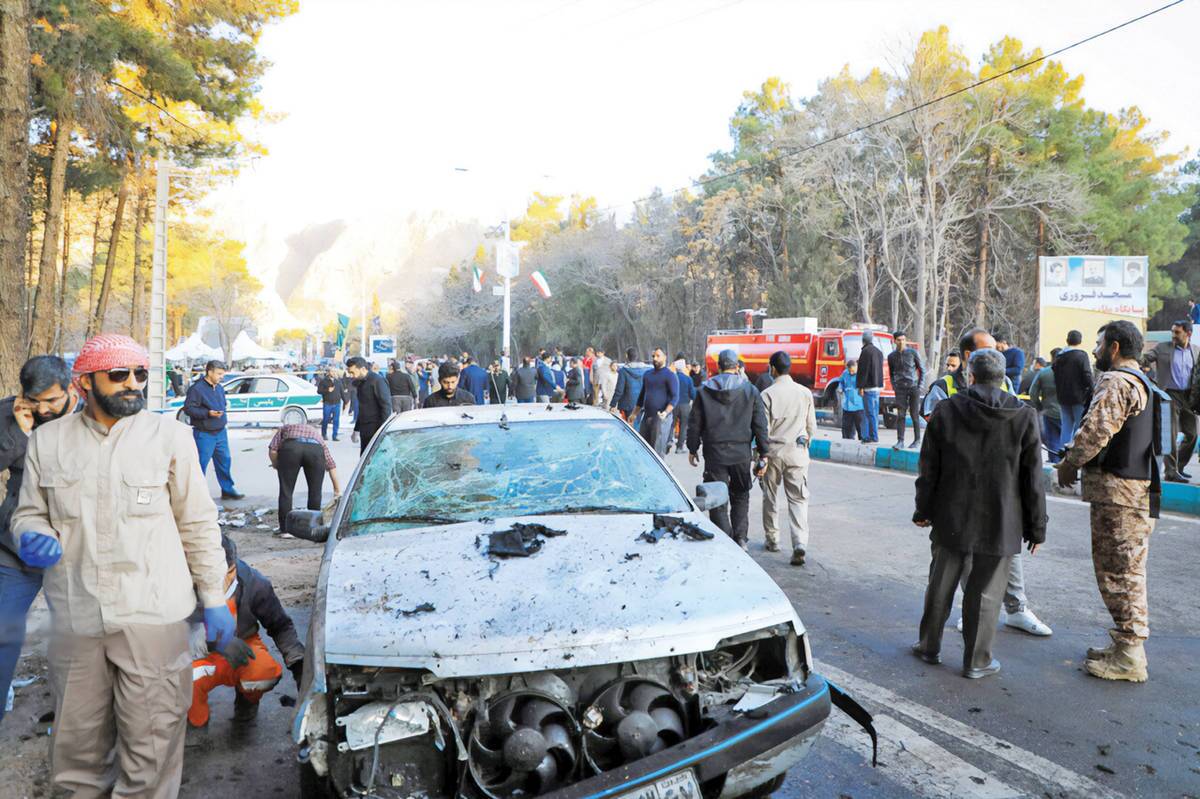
[[958, 624], [1027, 622]]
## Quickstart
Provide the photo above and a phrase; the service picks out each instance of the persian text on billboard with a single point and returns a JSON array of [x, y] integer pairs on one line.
[[1113, 284]]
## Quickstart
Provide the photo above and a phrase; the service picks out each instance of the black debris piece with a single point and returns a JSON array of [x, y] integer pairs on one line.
[[424, 573], [632, 556], [550, 407], [467, 416], [504, 421], [674, 527], [573, 406], [424, 607], [520, 540], [287, 701], [537, 529]]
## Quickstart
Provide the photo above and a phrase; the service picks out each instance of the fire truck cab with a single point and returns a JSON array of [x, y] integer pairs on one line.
[[818, 355]]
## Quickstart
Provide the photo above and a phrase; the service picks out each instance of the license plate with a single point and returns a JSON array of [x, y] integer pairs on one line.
[[677, 786]]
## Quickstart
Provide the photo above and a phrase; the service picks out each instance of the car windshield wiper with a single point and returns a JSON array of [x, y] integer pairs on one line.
[[416, 517], [598, 509]]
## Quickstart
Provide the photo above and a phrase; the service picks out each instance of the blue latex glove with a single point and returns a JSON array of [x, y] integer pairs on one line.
[[219, 625], [40, 550]]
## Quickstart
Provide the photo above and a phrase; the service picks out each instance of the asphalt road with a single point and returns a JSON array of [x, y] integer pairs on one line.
[[1042, 727]]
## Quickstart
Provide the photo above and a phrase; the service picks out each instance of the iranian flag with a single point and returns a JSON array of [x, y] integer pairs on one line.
[[477, 278], [543, 287]]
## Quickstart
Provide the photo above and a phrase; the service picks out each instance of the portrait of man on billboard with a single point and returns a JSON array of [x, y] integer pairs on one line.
[[1135, 274], [1056, 273], [1093, 272]]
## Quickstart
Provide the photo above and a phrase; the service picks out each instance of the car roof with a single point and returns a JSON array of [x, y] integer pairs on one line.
[[491, 414]]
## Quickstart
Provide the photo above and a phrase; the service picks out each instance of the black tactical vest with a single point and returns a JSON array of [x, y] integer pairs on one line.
[[1130, 453]]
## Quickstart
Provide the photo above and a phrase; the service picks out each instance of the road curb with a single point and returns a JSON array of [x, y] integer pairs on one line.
[[1176, 497]]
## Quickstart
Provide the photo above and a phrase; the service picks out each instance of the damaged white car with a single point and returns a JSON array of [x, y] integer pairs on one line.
[[523, 601]]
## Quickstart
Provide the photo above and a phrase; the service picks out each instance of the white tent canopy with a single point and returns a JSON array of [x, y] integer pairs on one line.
[[246, 349], [193, 348]]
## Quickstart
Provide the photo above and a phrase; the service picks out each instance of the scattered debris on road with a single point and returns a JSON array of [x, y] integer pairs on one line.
[[520, 540]]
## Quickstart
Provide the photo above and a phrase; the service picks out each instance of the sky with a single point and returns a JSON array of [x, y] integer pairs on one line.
[[382, 103]]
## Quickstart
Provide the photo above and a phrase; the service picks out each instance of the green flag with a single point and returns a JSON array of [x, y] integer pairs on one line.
[[343, 328]]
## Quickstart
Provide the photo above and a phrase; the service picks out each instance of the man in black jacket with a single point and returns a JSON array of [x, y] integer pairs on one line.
[[524, 381], [374, 400], [403, 388], [870, 383], [1073, 381], [450, 395], [728, 416], [981, 490], [908, 373], [246, 664]]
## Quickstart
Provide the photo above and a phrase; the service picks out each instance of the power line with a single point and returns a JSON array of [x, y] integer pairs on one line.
[[795, 151], [694, 16], [624, 11], [558, 8], [147, 99]]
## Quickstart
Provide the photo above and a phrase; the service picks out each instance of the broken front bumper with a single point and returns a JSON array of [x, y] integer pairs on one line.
[[738, 755]]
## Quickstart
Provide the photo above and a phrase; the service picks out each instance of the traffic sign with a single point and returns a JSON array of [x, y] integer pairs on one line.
[[508, 259]]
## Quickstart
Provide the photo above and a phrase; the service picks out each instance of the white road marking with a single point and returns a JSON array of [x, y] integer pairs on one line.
[[926, 769], [1075, 502], [1045, 771]]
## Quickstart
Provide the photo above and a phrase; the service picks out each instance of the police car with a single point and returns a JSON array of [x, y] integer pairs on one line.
[[264, 399]]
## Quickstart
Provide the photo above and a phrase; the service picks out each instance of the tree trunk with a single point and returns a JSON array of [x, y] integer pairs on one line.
[[110, 260], [981, 272], [14, 182], [91, 303], [61, 300], [46, 294], [137, 326]]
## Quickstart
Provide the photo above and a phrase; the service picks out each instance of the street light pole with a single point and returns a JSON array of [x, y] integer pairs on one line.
[[158, 290], [506, 360]]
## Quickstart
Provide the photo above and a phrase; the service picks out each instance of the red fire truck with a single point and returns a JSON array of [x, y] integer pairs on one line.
[[818, 354]]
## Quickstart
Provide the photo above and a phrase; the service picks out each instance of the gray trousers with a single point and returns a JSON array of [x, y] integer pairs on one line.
[[402, 403], [984, 578], [1014, 589]]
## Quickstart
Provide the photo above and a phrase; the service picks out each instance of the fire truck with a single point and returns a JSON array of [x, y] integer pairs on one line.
[[818, 355]]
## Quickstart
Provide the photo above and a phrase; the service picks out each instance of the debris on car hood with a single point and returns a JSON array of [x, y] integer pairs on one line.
[[520, 541], [674, 527]]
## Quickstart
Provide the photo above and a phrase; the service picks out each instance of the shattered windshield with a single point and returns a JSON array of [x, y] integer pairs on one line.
[[441, 475]]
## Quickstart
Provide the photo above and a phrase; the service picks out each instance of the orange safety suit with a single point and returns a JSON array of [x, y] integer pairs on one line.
[[252, 680]]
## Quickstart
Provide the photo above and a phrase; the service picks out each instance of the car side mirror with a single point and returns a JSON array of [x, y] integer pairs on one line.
[[709, 495], [307, 524]]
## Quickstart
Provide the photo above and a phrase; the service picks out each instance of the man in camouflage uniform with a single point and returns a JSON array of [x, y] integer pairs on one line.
[[1121, 509]]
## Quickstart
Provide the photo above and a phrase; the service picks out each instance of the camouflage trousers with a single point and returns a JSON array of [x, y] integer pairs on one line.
[[1120, 544]]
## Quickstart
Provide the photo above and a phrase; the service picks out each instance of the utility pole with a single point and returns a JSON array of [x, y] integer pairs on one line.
[[506, 360], [158, 290]]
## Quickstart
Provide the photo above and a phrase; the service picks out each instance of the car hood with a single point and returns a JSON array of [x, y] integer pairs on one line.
[[431, 598]]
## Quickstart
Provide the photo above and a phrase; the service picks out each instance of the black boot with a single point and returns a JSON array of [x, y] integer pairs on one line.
[[244, 711]]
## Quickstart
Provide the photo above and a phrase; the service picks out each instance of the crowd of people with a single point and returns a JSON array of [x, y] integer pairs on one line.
[[147, 623]]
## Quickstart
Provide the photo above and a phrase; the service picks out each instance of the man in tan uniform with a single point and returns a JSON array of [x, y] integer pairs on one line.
[[1115, 447], [792, 423], [115, 508]]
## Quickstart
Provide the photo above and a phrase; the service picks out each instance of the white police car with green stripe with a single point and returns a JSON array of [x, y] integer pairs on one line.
[[264, 399]]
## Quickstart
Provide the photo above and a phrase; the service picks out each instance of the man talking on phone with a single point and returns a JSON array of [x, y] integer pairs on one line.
[[46, 394]]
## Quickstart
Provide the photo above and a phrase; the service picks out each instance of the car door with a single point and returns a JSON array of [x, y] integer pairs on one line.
[[237, 400], [267, 399]]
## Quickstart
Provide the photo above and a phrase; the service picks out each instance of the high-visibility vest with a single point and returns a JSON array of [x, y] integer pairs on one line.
[[952, 389]]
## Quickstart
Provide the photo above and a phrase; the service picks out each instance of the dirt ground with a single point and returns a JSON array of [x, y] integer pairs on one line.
[[290, 564]]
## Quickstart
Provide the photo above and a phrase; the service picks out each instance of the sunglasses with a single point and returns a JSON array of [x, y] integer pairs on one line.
[[141, 374]]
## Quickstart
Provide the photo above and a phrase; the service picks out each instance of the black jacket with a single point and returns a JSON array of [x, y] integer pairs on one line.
[[728, 416], [334, 397], [438, 399], [870, 367], [1073, 377], [374, 401], [402, 384], [257, 604], [524, 382], [12, 457], [981, 481], [498, 387]]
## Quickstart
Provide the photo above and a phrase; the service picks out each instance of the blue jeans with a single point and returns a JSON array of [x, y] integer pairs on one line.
[[330, 412], [1052, 436], [18, 589], [1072, 415], [215, 447], [871, 422]]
